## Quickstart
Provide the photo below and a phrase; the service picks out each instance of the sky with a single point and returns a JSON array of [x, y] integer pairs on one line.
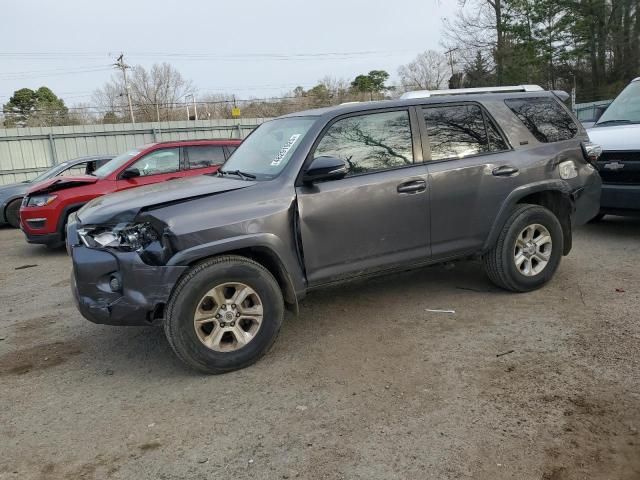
[[253, 48]]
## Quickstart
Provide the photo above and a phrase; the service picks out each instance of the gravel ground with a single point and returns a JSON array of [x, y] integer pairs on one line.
[[364, 384]]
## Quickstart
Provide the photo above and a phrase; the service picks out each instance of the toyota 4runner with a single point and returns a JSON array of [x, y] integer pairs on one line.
[[324, 196]]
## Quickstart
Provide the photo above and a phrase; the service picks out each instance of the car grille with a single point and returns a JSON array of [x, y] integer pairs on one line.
[[620, 167]]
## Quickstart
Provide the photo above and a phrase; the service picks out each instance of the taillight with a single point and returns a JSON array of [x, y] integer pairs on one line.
[[591, 152]]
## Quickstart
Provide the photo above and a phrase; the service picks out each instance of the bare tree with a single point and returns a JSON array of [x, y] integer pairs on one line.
[[156, 94], [479, 26], [428, 71]]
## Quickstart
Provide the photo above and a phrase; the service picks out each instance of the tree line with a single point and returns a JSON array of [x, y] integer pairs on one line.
[[591, 45]]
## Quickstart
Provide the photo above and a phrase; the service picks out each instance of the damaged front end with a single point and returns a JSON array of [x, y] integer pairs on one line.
[[119, 272]]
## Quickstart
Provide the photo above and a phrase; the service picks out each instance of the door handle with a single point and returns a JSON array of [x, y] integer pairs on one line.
[[505, 171], [414, 186], [172, 178]]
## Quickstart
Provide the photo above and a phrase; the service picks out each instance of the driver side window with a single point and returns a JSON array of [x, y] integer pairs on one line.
[[370, 142], [166, 160]]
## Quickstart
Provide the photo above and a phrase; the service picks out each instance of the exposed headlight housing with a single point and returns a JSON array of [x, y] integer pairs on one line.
[[567, 170], [123, 236], [39, 200]]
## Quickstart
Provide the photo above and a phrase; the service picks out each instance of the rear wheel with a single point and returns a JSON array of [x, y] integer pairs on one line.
[[12, 213], [224, 314], [528, 250]]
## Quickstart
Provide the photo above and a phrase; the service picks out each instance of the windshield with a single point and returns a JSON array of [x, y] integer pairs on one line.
[[48, 173], [625, 108], [110, 167], [266, 152]]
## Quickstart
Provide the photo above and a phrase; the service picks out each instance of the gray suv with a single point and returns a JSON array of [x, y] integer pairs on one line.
[[324, 196]]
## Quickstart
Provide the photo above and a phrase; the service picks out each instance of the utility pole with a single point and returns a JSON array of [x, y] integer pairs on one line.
[[195, 108], [451, 63], [123, 66]]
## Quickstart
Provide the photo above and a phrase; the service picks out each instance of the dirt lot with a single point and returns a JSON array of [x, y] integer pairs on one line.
[[365, 383]]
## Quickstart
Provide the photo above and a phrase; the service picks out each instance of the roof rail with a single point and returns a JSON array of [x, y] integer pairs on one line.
[[463, 91]]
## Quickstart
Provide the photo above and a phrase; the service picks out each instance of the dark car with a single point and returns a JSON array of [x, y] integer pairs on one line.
[[325, 196], [11, 195], [618, 132]]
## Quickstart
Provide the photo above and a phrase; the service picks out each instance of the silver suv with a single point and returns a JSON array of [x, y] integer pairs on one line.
[[324, 196]]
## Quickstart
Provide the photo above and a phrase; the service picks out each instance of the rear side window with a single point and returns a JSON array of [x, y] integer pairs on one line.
[[205, 156], [458, 131], [545, 118], [369, 143]]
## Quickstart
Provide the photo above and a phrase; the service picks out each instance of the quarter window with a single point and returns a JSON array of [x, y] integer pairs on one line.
[[205, 156], [544, 117], [458, 131], [166, 160], [369, 143]]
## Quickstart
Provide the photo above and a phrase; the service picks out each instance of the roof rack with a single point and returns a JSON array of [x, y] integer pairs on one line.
[[463, 91]]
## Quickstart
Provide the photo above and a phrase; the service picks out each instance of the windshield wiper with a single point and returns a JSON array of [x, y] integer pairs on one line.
[[621, 120], [242, 175]]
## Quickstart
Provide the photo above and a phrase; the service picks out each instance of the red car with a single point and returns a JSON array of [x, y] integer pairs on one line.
[[47, 205]]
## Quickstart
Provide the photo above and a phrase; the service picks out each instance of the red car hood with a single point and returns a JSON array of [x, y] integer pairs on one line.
[[58, 183]]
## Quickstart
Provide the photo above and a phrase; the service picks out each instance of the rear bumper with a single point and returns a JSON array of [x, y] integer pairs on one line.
[[620, 199], [143, 289], [586, 200]]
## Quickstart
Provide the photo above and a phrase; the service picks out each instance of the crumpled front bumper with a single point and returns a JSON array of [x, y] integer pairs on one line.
[[143, 289]]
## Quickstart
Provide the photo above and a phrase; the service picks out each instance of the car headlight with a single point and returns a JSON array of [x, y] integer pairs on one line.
[[40, 200], [124, 236], [568, 170]]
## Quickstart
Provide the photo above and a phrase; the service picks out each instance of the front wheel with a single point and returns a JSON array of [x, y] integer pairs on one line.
[[224, 314], [528, 250]]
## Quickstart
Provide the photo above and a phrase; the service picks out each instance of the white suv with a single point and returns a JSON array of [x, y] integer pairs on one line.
[[618, 132]]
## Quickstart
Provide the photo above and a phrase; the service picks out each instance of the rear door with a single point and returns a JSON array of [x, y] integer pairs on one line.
[[376, 217], [472, 170], [159, 165], [201, 159]]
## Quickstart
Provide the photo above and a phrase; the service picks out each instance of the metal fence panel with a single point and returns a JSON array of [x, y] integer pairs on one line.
[[26, 152]]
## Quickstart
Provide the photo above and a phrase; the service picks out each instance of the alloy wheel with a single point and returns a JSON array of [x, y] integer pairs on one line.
[[532, 250], [228, 317]]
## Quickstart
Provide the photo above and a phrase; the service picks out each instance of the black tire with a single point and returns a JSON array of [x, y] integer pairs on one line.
[[12, 213], [597, 218], [192, 287], [500, 263]]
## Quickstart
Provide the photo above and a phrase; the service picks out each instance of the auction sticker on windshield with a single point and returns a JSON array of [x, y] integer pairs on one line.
[[285, 149]]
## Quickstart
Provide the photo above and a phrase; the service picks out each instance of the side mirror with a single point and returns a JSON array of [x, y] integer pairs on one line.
[[130, 173], [325, 168]]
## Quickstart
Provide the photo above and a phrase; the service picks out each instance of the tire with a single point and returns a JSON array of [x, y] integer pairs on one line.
[[597, 218], [531, 273], [197, 291], [12, 213]]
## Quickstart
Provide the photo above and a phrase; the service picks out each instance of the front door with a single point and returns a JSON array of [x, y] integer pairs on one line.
[[157, 166], [376, 217]]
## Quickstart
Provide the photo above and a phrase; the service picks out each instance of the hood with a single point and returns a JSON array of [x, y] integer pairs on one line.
[[59, 183], [124, 206], [13, 190], [616, 137]]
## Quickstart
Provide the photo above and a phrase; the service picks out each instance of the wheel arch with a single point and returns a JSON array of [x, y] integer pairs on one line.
[[553, 195], [258, 248]]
